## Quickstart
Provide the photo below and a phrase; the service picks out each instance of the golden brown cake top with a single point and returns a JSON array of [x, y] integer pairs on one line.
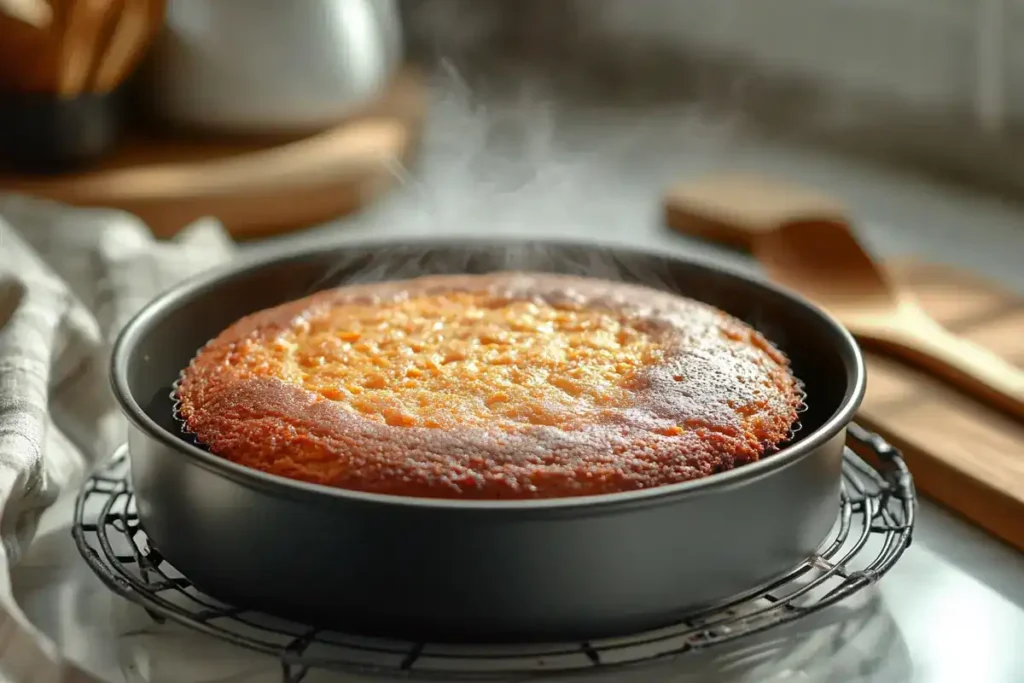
[[497, 369]]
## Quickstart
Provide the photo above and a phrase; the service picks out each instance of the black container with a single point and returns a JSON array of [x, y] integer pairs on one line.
[[539, 570], [46, 133]]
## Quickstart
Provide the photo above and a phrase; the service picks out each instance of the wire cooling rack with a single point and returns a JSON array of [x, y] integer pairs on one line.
[[875, 519]]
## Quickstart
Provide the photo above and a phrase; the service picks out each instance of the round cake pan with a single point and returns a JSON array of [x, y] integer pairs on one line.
[[560, 569]]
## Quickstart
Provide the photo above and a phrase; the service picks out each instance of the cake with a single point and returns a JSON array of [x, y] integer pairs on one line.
[[489, 387]]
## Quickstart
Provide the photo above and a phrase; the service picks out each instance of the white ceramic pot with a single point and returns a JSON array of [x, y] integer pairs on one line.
[[271, 66]]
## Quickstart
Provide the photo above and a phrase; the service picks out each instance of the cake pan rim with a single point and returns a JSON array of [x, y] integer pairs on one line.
[[208, 282]]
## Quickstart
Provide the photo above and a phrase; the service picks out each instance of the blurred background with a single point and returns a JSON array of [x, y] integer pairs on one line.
[[927, 90], [142, 141]]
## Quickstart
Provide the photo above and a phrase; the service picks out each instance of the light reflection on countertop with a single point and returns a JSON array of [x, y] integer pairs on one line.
[[956, 628]]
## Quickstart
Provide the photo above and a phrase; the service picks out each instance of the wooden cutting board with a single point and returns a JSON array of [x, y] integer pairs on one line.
[[255, 187], [961, 453]]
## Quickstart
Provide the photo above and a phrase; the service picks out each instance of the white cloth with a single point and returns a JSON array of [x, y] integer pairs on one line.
[[69, 280]]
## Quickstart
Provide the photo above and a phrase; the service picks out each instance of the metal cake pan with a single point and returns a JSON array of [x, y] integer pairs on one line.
[[561, 569]]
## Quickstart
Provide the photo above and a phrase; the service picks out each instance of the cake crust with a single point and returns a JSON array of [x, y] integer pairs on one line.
[[498, 386]]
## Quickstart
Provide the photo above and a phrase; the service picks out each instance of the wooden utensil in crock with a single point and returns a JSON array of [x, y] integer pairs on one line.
[[60, 80]]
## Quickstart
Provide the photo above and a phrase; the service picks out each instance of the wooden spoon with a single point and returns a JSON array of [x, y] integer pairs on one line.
[[83, 29], [804, 243], [133, 29]]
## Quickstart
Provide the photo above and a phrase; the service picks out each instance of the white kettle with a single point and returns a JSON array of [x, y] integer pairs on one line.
[[271, 66]]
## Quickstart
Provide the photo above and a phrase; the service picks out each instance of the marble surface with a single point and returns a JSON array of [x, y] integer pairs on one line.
[[532, 164]]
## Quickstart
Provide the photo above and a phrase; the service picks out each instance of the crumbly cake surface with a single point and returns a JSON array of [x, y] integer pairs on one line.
[[508, 385]]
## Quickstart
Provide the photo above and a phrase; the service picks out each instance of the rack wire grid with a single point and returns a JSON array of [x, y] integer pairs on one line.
[[875, 519]]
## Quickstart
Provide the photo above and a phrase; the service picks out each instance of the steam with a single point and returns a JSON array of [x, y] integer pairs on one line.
[[412, 260], [496, 162], [517, 161]]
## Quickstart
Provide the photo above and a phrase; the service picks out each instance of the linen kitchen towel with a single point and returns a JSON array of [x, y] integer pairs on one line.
[[69, 280]]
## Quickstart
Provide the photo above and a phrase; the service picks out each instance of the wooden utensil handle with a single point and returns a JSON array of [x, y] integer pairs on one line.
[[970, 366], [737, 209]]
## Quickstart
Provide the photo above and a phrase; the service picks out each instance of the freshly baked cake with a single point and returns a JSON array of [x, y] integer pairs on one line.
[[499, 386]]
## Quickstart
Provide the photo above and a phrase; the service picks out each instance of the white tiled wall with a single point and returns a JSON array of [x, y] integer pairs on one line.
[[921, 50], [908, 80]]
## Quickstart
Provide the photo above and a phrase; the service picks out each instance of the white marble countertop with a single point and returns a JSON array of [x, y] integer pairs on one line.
[[951, 610]]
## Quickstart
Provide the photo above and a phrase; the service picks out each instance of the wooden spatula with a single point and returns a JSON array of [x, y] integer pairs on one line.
[[804, 242]]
